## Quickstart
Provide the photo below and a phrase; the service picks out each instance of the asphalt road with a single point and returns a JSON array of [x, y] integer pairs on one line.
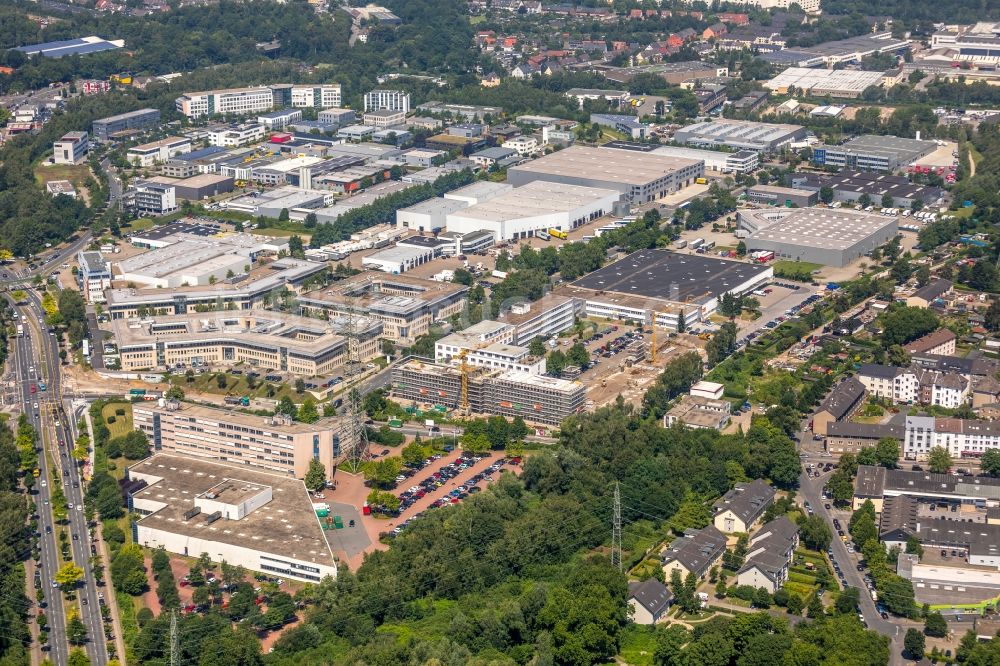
[[811, 490], [38, 358]]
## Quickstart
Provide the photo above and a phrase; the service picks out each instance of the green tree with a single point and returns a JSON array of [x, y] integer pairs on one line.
[[990, 462], [69, 576], [537, 347], [914, 643], [935, 625], [316, 475], [939, 461], [815, 533], [76, 632], [296, 248], [307, 412]]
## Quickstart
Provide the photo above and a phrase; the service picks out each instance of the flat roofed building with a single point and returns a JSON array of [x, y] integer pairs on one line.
[[229, 101], [698, 412], [550, 315], [282, 446], [852, 49], [337, 116], [260, 521], [406, 306], [832, 237], [871, 152], [263, 339], [537, 206], [104, 128], [821, 82], [398, 259], [478, 192], [773, 195], [669, 286], [638, 178], [849, 186], [279, 120], [715, 160], [674, 73], [392, 100], [71, 148], [739, 135], [236, 135], [158, 152], [55, 187], [536, 398], [430, 215], [95, 275], [71, 47], [384, 118], [244, 293], [203, 186]]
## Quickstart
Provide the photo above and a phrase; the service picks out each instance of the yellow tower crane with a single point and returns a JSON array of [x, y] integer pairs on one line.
[[463, 400]]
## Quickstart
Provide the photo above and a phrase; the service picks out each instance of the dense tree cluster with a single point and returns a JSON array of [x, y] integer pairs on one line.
[[15, 539]]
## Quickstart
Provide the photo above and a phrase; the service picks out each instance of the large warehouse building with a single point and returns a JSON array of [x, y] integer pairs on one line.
[[739, 135], [821, 82], [671, 285], [828, 236], [260, 521], [638, 177], [538, 206]]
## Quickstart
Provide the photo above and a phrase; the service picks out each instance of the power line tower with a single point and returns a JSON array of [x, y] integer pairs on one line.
[[353, 434], [616, 530]]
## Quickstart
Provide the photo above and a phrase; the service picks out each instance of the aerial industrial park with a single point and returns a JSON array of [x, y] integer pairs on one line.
[[512, 332]]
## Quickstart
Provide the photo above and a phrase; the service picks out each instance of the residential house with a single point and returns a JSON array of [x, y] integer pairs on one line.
[[715, 30], [649, 600], [741, 507], [842, 402], [694, 553], [490, 81], [769, 555], [849, 437]]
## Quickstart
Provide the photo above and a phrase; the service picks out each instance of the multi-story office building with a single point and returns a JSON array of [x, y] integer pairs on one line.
[[105, 128], [231, 101], [406, 306], [279, 120], [488, 344], [391, 100], [95, 276], [249, 291], [236, 135], [384, 118], [147, 197], [871, 152], [273, 444], [158, 152], [71, 148], [261, 338], [535, 398], [306, 96], [548, 316]]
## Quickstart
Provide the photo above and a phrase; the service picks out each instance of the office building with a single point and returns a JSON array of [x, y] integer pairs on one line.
[[56, 187], [739, 135], [538, 206], [872, 152], [382, 118], [71, 148], [832, 237], [202, 186], [740, 162], [627, 125], [396, 260], [279, 120], [535, 398], [772, 195], [665, 287], [231, 101], [158, 152], [104, 129], [299, 96], [95, 276], [406, 306], [468, 112], [236, 135], [248, 518], [390, 100], [147, 197], [548, 316], [273, 444], [261, 338], [243, 293], [613, 97], [337, 116], [842, 83], [637, 177]]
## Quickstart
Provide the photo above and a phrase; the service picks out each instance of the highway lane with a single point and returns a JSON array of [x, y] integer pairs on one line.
[[61, 440], [27, 376]]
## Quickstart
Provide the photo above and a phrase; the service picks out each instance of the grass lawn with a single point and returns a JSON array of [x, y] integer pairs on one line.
[[476, 19], [962, 212], [142, 224], [235, 385], [638, 645], [283, 233], [74, 173], [796, 265], [123, 424]]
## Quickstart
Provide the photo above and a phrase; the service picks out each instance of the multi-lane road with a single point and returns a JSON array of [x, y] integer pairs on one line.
[[37, 360]]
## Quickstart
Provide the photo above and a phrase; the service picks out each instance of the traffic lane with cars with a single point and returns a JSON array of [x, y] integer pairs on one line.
[[811, 490]]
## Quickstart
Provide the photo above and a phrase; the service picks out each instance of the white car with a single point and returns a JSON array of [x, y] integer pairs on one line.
[[70, 505], [44, 483]]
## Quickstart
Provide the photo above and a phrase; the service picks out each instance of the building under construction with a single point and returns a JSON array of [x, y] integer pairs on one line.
[[535, 398]]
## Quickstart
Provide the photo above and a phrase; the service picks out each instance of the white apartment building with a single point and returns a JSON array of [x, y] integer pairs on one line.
[[158, 152], [71, 148], [524, 145], [236, 135], [232, 101], [151, 198], [391, 100], [916, 385], [962, 438]]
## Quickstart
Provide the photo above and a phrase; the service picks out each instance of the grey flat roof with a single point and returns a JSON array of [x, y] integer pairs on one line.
[[194, 228], [670, 275], [826, 228], [606, 164]]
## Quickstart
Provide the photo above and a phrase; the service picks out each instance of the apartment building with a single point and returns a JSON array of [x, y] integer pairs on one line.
[[769, 555], [740, 508], [962, 438], [273, 443], [71, 148], [147, 197], [916, 385], [391, 100], [158, 152]]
